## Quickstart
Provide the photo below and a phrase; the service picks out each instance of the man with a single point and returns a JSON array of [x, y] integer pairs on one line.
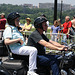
[[39, 40], [2, 21], [66, 27], [2, 24], [72, 30], [73, 21]]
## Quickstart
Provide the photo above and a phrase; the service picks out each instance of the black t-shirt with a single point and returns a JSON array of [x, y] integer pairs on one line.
[[33, 40]]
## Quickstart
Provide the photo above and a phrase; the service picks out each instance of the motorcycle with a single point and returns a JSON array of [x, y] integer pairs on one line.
[[13, 64], [67, 61], [18, 65]]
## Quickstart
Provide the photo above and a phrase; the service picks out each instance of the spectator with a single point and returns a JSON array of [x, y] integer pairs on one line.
[[66, 27], [72, 30], [39, 40], [15, 40], [27, 27], [54, 30], [2, 21]]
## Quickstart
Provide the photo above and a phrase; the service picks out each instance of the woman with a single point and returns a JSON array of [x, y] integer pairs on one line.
[[54, 30], [15, 40], [27, 27]]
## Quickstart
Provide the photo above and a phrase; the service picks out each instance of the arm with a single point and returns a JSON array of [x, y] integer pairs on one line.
[[51, 32], [59, 22], [56, 43], [50, 45], [58, 34], [29, 28], [69, 26], [68, 31], [8, 41], [23, 28]]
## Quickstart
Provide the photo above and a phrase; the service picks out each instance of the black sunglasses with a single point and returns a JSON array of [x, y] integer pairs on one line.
[[17, 20]]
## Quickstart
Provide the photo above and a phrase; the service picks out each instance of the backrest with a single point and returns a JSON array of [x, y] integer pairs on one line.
[[3, 48], [1, 34]]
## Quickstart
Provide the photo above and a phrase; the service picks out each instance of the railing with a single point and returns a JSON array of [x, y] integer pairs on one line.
[[59, 39], [48, 35]]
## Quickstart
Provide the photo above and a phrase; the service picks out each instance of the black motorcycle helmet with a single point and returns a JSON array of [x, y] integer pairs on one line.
[[38, 22], [43, 15], [11, 18]]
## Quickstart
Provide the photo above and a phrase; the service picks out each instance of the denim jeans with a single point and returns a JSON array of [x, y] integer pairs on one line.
[[50, 61], [64, 37], [54, 38], [64, 40]]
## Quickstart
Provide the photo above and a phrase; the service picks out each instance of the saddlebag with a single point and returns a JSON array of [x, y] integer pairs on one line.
[[15, 67]]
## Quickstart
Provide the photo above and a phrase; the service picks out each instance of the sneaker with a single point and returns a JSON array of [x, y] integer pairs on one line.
[[31, 73]]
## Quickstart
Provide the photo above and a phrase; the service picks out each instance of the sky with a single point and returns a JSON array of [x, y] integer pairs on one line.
[[35, 2]]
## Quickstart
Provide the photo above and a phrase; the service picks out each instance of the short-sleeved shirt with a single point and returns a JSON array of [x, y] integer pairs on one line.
[[66, 25], [55, 29], [2, 23], [33, 40], [13, 33], [27, 26]]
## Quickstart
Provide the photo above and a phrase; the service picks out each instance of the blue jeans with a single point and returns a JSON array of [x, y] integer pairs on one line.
[[64, 40], [50, 61], [64, 37]]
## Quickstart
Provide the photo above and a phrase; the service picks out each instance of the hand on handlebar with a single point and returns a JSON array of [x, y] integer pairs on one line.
[[65, 48]]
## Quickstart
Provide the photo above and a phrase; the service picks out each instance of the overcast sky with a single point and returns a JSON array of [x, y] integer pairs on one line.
[[35, 2]]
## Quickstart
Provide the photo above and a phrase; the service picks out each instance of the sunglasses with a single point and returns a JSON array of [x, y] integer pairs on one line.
[[17, 20]]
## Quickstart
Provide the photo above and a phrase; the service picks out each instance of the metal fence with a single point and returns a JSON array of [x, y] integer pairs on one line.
[[59, 40], [60, 36]]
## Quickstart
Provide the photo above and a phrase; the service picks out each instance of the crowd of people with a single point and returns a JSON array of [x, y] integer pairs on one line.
[[67, 28], [37, 40]]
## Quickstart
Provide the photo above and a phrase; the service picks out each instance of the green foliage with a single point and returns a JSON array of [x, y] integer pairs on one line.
[[33, 13]]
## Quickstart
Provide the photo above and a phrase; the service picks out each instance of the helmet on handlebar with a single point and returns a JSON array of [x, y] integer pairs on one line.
[[38, 22], [11, 18]]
